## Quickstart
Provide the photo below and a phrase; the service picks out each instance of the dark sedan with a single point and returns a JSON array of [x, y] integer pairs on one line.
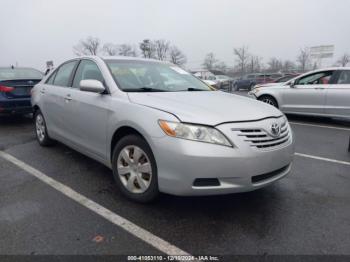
[[15, 87]]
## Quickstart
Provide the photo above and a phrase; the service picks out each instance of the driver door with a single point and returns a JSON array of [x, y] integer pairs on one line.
[[308, 94]]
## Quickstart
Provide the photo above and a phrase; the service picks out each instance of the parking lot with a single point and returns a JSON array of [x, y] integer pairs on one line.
[[306, 213]]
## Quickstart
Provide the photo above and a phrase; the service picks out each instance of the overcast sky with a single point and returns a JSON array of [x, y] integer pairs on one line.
[[34, 31]]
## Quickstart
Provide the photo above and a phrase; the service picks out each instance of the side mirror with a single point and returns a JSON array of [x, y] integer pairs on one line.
[[91, 85], [292, 83]]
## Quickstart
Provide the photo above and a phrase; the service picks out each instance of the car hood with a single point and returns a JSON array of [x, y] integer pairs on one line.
[[208, 108]]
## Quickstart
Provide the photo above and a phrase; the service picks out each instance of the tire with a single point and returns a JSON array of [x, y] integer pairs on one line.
[[41, 130], [268, 100], [251, 87], [133, 183]]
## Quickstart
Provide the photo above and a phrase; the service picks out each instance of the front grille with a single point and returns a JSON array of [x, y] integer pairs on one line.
[[261, 139], [263, 177]]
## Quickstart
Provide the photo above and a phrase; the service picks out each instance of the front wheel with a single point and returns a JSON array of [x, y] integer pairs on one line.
[[268, 100], [41, 130], [134, 169]]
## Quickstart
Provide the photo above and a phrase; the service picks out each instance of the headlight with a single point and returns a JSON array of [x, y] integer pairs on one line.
[[194, 132], [255, 90]]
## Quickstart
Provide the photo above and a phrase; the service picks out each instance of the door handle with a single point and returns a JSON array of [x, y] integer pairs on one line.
[[68, 98], [42, 90]]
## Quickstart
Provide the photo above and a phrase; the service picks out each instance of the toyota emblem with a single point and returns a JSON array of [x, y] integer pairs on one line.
[[275, 129]]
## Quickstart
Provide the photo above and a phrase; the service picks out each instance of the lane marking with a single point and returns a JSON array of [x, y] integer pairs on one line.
[[117, 220], [323, 159], [323, 126]]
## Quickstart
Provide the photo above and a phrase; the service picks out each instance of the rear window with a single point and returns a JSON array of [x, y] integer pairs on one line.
[[19, 73]]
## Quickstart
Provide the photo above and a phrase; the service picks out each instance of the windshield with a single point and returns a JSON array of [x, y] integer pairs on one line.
[[19, 73], [144, 76], [284, 79]]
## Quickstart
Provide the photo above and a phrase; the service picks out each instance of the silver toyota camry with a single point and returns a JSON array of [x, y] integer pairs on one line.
[[160, 129]]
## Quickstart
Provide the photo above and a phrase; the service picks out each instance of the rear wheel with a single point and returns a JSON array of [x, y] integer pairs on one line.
[[268, 100], [41, 130], [134, 169]]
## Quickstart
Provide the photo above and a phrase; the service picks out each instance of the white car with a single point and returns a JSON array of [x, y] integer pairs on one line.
[[323, 92]]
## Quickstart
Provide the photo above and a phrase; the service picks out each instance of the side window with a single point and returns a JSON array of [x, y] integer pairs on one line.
[[64, 73], [87, 70], [344, 77], [320, 78], [51, 78]]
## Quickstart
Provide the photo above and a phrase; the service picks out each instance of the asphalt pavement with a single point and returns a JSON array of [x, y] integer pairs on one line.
[[306, 213]]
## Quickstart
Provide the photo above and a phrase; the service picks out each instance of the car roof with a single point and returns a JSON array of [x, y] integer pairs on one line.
[[125, 58]]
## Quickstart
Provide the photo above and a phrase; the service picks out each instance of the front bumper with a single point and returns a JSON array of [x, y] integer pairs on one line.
[[181, 162]]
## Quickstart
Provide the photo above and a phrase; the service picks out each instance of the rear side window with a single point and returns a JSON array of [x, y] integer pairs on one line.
[[344, 77], [63, 75], [87, 70]]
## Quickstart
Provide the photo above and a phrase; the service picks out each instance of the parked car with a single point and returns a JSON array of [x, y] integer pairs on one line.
[[250, 80], [324, 92], [225, 81], [212, 83], [207, 77], [15, 87], [181, 139]]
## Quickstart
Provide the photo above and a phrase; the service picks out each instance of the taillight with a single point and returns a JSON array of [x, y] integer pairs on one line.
[[6, 89]]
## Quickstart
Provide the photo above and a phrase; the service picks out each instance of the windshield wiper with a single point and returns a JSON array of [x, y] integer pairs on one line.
[[143, 89], [193, 89]]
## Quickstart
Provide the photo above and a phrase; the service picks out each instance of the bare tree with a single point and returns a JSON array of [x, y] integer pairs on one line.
[[162, 49], [221, 66], [89, 46], [275, 64], [242, 57], [127, 50], [110, 49], [254, 64], [288, 66], [176, 56], [344, 60], [209, 61], [147, 48], [304, 59]]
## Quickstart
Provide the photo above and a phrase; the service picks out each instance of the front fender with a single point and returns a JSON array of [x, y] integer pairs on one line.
[[141, 118]]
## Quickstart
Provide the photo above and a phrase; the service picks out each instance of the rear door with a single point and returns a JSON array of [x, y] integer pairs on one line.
[[53, 94], [308, 95], [338, 95]]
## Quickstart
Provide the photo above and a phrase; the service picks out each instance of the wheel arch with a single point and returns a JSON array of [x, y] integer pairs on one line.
[[269, 95], [35, 108], [121, 132]]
